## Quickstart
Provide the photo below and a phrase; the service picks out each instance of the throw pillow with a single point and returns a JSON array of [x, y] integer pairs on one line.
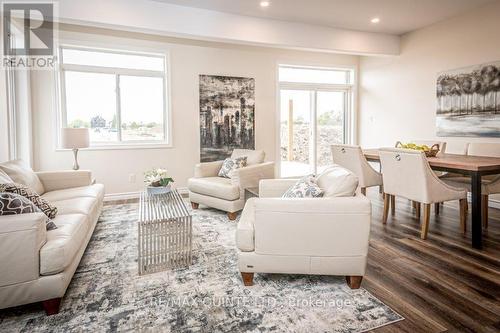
[[306, 187], [47, 208], [12, 204], [337, 181], [231, 164], [21, 173]]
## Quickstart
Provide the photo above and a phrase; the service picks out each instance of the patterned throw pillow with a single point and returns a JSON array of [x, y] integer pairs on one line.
[[12, 204], [28, 193], [306, 187], [231, 164]]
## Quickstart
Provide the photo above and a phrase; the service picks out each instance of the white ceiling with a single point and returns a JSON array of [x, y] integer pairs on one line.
[[396, 16]]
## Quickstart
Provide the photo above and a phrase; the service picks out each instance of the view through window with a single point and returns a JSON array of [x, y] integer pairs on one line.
[[121, 97], [314, 112]]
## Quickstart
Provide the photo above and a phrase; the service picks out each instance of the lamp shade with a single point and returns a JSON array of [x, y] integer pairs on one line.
[[74, 138]]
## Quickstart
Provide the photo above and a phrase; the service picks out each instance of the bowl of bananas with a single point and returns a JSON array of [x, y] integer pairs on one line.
[[429, 151]]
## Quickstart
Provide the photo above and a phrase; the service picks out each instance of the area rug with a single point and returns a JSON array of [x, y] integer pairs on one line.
[[107, 294]]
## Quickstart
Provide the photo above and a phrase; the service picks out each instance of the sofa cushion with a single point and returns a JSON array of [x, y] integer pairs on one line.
[[63, 243], [46, 207], [305, 187], [253, 156], [337, 181], [92, 191], [21, 173], [4, 178], [218, 187], [231, 164]]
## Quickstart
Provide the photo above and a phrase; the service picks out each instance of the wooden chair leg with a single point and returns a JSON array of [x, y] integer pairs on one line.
[[436, 208], [363, 191], [425, 224], [484, 210], [393, 204], [386, 208], [354, 282], [51, 306], [247, 279], [195, 205], [463, 215], [232, 215], [417, 210]]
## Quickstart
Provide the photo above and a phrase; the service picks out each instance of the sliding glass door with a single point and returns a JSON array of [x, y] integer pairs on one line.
[[310, 121]]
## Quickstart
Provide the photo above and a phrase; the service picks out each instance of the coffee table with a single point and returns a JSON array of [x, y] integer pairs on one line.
[[165, 232]]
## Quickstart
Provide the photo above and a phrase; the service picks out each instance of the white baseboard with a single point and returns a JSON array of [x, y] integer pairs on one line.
[[134, 195]]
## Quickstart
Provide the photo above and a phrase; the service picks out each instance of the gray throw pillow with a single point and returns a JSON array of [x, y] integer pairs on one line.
[[305, 187], [231, 164], [12, 204], [46, 207]]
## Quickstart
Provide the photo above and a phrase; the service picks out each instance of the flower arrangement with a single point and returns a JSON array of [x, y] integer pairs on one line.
[[157, 178]]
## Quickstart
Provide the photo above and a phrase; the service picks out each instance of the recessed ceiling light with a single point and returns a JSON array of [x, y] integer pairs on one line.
[[375, 20], [265, 3]]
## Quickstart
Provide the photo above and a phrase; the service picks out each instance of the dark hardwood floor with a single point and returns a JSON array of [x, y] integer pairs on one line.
[[440, 284]]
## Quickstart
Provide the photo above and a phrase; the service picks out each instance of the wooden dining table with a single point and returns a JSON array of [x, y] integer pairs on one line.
[[473, 166]]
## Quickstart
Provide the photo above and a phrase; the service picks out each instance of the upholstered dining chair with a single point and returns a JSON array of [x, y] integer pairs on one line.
[[408, 174], [490, 184], [352, 158]]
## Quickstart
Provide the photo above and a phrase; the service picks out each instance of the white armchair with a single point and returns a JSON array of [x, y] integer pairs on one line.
[[323, 236], [228, 194]]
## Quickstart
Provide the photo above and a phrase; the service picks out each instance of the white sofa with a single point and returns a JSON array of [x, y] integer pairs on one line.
[[228, 194], [324, 236], [37, 265]]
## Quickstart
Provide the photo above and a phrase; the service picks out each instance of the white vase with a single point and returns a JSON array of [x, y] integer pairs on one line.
[[158, 189]]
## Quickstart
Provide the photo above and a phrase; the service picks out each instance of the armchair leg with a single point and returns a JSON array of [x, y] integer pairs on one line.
[[393, 204], [425, 224], [484, 211], [232, 216], [51, 306], [417, 210], [436, 208], [463, 215], [386, 208], [195, 205], [363, 191], [354, 282], [247, 279]]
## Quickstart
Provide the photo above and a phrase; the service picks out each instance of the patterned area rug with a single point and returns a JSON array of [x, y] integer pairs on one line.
[[107, 294]]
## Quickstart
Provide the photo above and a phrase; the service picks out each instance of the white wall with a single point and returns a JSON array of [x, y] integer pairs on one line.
[[397, 94], [188, 60]]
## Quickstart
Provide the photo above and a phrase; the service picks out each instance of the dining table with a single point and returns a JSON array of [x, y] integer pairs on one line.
[[473, 166]]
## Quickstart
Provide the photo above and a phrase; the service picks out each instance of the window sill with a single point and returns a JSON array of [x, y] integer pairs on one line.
[[124, 147]]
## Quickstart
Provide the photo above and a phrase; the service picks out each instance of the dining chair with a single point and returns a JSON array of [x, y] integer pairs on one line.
[[442, 150], [352, 158], [406, 173], [490, 184]]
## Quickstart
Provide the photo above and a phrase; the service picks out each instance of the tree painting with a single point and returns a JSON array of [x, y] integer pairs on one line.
[[468, 102]]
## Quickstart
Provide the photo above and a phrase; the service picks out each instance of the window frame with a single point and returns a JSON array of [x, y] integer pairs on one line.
[[349, 89], [117, 72]]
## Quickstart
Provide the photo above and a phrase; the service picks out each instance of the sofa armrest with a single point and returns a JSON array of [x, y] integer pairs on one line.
[[245, 230], [60, 180], [207, 169], [21, 238], [274, 188], [250, 176], [312, 227]]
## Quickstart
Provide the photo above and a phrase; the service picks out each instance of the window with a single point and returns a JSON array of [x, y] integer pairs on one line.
[[315, 112], [120, 96]]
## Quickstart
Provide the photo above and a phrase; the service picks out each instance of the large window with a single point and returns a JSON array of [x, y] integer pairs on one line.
[[315, 112], [120, 96]]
